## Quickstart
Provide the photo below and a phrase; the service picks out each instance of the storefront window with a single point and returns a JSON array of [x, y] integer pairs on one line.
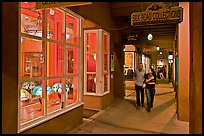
[[71, 29], [96, 62], [55, 26], [72, 61], [55, 99], [31, 93], [48, 64], [106, 61], [31, 20], [55, 59], [32, 58], [71, 90]]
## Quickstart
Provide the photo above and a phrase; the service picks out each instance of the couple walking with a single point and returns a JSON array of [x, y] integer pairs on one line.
[[149, 79]]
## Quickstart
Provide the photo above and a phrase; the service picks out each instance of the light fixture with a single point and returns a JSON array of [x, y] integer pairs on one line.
[[160, 52], [52, 12], [158, 48], [150, 37]]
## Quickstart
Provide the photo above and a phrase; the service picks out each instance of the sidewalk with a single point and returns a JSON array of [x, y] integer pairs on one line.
[[122, 117]]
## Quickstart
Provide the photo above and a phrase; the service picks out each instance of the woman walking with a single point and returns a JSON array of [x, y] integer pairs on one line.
[[150, 80]]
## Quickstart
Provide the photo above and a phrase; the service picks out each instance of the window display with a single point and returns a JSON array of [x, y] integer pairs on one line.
[[48, 65], [97, 61]]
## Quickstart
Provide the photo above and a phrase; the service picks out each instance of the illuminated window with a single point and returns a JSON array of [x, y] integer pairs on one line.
[[97, 75], [48, 63]]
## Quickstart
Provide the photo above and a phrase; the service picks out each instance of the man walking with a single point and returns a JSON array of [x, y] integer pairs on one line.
[[139, 79]]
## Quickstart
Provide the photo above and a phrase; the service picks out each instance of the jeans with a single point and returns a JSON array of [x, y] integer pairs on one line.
[[139, 90], [150, 97]]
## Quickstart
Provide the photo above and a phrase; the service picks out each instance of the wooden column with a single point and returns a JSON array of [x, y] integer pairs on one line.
[[183, 64], [9, 67], [195, 115]]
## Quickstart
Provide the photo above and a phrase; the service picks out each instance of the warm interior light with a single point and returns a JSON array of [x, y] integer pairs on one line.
[[160, 52], [94, 56], [158, 48], [150, 37]]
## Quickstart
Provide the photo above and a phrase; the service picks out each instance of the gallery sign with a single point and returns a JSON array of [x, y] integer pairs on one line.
[[43, 5], [157, 13]]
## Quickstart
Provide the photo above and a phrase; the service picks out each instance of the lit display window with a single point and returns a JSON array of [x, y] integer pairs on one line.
[[97, 75], [31, 100], [55, 59], [72, 61], [55, 29], [71, 29], [32, 58], [31, 20], [48, 63]]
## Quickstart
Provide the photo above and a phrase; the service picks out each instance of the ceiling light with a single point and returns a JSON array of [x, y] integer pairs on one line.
[[160, 52], [150, 37], [52, 12], [158, 48]]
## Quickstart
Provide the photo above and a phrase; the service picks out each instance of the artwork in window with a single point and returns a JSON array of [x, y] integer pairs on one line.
[[30, 102]]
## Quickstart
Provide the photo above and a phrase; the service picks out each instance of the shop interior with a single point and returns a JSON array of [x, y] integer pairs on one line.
[[38, 56]]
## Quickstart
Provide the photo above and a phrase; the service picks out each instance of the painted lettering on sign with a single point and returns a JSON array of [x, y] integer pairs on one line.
[[42, 5], [157, 14]]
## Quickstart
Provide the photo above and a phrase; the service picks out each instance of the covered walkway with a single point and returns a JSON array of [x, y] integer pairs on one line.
[[122, 117]]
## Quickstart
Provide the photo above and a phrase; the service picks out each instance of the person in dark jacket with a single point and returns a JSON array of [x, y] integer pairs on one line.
[[150, 80]]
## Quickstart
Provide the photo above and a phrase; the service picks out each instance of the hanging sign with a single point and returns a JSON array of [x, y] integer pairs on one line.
[[157, 13], [43, 5]]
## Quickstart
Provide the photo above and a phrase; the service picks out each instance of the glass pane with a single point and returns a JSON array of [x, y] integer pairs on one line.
[[91, 83], [32, 58], [91, 42], [55, 59], [105, 82], [91, 62], [71, 89], [71, 29], [55, 26], [105, 62], [72, 60], [31, 20], [129, 59], [106, 43], [31, 103], [55, 98]]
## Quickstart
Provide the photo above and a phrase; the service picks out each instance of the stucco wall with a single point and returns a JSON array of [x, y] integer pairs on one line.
[[184, 64], [99, 13]]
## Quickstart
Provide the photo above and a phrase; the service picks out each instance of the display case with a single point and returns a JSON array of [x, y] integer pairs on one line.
[[96, 62]]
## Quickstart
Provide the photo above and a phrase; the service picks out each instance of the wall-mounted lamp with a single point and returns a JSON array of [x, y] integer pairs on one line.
[[150, 37], [158, 48], [160, 52]]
